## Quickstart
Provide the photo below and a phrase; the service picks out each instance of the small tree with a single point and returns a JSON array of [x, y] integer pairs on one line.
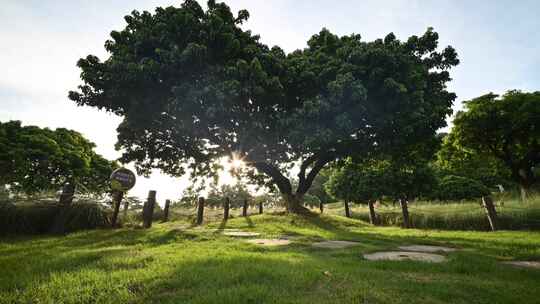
[[371, 180], [453, 187], [507, 128], [359, 183]]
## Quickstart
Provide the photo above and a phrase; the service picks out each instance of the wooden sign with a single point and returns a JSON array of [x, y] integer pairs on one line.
[[122, 179]]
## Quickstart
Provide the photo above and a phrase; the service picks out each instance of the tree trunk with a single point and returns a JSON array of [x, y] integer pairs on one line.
[[405, 210], [372, 214], [200, 211], [117, 199], [244, 208], [347, 211], [68, 191], [166, 210], [294, 203], [321, 207], [261, 208], [226, 209], [125, 212]]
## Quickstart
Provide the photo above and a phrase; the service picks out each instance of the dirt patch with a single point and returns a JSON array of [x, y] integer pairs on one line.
[[405, 255], [335, 244], [427, 248], [269, 242], [241, 233], [526, 264]]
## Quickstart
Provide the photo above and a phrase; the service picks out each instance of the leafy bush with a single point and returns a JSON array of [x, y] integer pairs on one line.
[[453, 187], [50, 217]]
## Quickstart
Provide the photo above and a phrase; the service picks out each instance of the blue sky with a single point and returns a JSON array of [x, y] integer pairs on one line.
[[498, 43]]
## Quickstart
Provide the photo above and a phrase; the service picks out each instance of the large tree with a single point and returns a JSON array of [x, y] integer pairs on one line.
[[507, 128], [192, 86], [37, 159]]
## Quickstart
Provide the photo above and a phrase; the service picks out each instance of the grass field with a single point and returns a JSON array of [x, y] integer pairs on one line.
[[176, 263], [513, 214]]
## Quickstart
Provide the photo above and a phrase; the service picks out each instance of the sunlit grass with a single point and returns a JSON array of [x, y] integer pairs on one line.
[[178, 263]]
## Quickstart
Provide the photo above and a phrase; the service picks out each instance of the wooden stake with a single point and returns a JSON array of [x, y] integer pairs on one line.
[[260, 207], [491, 213], [148, 209], [166, 210], [347, 211], [321, 207], [227, 205], [200, 211], [245, 207], [372, 214]]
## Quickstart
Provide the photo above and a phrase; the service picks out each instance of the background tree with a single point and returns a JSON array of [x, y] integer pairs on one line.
[[192, 86], [371, 180], [507, 128], [237, 194], [35, 159], [358, 183], [452, 188], [453, 159]]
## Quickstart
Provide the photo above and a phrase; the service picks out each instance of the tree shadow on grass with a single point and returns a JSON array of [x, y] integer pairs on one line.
[[276, 277]]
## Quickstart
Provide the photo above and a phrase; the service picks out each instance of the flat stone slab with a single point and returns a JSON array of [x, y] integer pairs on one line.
[[426, 248], [527, 264], [241, 233], [269, 242], [405, 255], [335, 244]]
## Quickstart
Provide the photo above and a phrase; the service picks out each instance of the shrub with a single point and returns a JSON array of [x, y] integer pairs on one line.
[[454, 187], [47, 217]]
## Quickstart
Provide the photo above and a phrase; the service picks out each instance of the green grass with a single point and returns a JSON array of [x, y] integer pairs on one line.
[[171, 264]]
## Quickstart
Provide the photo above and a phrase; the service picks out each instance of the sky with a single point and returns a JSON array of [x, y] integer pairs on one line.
[[498, 43]]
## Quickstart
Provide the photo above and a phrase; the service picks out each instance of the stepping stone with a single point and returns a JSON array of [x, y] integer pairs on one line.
[[527, 264], [426, 248], [241, 233], [405, 255], [335, 244], [269, 242]]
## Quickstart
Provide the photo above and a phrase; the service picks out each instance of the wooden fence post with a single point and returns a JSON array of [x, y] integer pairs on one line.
[[321, 207], [347, 211], [245, 207], [68, 191], [260, 207], [200, 211], [405, 211], [117, 197], [226, 207], [166, 210], [487, 202], [148, 209], [372, 214]]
